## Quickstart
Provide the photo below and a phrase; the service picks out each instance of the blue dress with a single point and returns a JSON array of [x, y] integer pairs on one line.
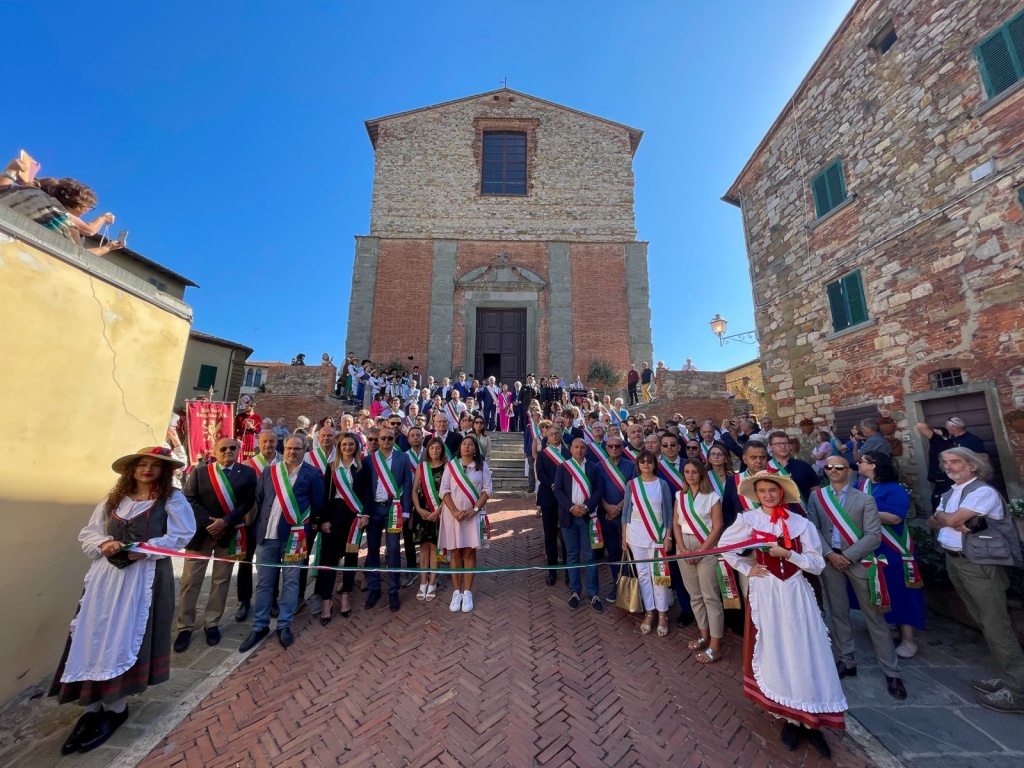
[[907, 604]]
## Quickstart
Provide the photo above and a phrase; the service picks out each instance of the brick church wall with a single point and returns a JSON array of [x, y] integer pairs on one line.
[[401, 318], [599, 318]]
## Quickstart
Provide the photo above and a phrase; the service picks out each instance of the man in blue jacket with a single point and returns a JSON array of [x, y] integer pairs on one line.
[[578, 491], [289, 496], [391, 484]]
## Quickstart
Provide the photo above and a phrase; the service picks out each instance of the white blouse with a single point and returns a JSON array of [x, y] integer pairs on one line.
[[702, 504], [480, 478]]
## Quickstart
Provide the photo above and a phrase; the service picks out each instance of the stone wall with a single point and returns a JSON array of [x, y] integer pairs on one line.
[[427, 174], [298, 390], [701, 394], [747, 383], [938, 252]]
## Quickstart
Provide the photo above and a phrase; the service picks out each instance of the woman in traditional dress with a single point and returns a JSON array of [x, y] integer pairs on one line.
[[698, 526], [465, 488], [120, 641], [902, 576], [247, 427], [504, 408], [349, 499], [426, 514], [647, 530], [788, 668]]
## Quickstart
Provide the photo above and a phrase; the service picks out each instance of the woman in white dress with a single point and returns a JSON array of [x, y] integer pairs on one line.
[[465, 488], [647, 529], [788, 668], [120, 640]]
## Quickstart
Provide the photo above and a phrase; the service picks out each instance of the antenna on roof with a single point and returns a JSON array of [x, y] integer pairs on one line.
[[504, 82]]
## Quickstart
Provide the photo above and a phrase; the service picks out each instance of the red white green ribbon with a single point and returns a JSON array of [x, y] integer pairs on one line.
[[746, 503], [296, 546], [717, 483], [221, 487], [726, 579], [318, 458], [430, 489], [342, 482], [258, 463], [630, 451], [654, 529], [555, 456], [613, 473], [579, 477], [865, 486], [453, 414], [675, 477], [355, 537], [535, 429], [462, 480], [414, 459], [879, 593], [905, 546], [596, 535], [704, 450]]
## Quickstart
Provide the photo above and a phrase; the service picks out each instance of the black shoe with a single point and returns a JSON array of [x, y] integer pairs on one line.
[[212, 635], [275, 610], [574, 601], [817, 741], [550, 578], [372, 598], [896, 688], [182, 640], [684, 619], [243, 611], [845, 671], [596, 604], [254, 637], [790, 736], [109, 722], [82, 731], [393, 603], [284, 635]]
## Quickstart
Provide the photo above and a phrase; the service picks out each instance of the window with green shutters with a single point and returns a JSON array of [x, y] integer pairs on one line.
[[1001, 56], [846, 301], [829, 188], [207, 376]]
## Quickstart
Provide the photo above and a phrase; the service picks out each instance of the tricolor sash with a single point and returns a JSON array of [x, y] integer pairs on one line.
[[345, 490], [414, 459], [905, 546], [392, 489], [675, 477], [588, 435], [296, 548], [355, 537], [866, 486], [746, 503], [704, 449], [430, 490], [409, 423], [726, 579], [579, 477], [258, 463], [718, 484], [851, 534], [535, 430], [775, 468], [630, 451], [318, 458], [555, 456], [226, 496], [613, 473], [655, 530], [453, 415], [461, 478]]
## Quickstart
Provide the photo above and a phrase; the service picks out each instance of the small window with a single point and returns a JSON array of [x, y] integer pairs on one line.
[[829, 188], [160, 286], [846, 300], [259, 378], [1001, 56], [503, 171], [884, 39], [248, 378], [950, 377], [207, 376]]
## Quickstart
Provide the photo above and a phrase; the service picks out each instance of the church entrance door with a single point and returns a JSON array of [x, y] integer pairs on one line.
[[501, 344]]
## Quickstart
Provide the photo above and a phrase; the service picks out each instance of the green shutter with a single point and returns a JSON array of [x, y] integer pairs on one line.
[[836, 303], [1015, 31], [854, 290], [820, 188], [1001, 56], [836, 185], [207, 376]]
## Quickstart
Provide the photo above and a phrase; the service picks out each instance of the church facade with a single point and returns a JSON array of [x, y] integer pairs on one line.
[[502, 241]]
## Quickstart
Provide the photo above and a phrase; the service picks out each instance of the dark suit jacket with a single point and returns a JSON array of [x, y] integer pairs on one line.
[[485, 397], [863, 512], [731, 507], [206, 507], [335, 508], [453, 440], [546, 476], [563, 491], [609, 490], [309, 493], [401, 469]]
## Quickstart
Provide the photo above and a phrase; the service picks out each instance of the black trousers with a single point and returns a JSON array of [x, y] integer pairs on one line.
[[549, 519], [244, 581], [634, 398]]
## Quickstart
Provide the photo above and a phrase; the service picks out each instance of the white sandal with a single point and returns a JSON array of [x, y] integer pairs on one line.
[[422, 594], [431, 593]]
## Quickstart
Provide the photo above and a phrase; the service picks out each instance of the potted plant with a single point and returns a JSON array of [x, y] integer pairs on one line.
[[807, 426], [1015, 419], [887, 425]]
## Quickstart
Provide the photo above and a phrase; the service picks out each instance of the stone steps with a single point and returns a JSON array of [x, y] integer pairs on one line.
[[506, 463]]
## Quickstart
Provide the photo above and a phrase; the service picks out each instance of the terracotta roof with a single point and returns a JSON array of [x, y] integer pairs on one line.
[[253, 364], [200, 336], [635, 134]]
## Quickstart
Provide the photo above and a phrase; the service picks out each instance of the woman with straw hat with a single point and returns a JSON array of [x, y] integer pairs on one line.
[[787, 662], [120, 641]]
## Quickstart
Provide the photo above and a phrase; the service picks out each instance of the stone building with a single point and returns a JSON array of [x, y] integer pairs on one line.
[[883, 220], [502, 241]]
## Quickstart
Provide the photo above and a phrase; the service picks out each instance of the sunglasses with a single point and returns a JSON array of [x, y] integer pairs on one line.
[[645, 461], [228, 449], [670, 445], [386, 439], [834, 467]]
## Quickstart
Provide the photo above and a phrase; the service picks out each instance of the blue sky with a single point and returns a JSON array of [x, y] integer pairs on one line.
[[228, 137]]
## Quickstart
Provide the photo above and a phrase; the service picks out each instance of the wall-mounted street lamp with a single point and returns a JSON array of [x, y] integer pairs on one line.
[[718, 326]]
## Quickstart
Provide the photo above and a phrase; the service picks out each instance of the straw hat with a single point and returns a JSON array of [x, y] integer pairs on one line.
[[154, 451], [791, 494]]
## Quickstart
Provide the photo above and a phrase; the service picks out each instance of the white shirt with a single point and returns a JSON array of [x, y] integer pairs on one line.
[[837, 542], [579, 496], [984, 500], [276, 510], [702, 504], [382, 492], [636, 531]]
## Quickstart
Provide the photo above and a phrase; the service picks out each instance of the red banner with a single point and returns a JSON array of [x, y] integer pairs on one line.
[[207, 423]]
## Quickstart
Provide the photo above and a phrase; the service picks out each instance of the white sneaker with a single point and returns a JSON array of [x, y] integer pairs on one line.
[[456, 605], [906, 650], [467, 602]]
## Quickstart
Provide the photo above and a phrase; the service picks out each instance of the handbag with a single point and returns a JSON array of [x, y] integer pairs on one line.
[[627, 589]]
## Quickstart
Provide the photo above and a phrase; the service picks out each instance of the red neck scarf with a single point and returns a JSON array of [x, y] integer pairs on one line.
[[780, 515]]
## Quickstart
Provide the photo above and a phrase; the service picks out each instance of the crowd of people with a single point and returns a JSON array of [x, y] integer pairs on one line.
[[723, 520]]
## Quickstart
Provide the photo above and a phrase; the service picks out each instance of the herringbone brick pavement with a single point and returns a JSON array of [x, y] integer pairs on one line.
[[520, 681]]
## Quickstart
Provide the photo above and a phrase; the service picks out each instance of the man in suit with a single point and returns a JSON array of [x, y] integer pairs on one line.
[[613, 495], [274, 532], [488, 395], [549, 457], [850, 531], [578, 492], [267, 456], [443, 432], [221, 493], [390, 481], [528, 393]]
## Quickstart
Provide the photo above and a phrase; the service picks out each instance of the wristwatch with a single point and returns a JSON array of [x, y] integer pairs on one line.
[[10, 175]]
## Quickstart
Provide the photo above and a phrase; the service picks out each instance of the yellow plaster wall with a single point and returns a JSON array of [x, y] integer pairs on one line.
[[89, 374]]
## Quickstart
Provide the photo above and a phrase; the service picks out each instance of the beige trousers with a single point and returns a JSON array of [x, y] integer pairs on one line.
[[192, 583], [700, 577]]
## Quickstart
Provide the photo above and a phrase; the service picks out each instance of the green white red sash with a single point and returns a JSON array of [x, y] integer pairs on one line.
[[588, 435], [430, 490], [461, 478], [775, 468], [655, 530], [296, 548], [414, 459], [630, 451], [344, 486], [453, 414], [746, 503], [852, 534], [355, 537], [674, 476], [719, 485], [579, 477], [866, 486], [392, 489], [318, 458], [535, 430], [409, 423], [610, 469], [226, 496], [258, 463], [555, 456], [726, 579], [905, 546], [704, 451]]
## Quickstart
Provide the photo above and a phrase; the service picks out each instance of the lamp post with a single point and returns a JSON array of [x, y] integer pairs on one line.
[[718, 326]]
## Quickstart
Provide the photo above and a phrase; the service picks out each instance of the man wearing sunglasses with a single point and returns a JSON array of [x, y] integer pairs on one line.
[[221, 494], [390, 482]]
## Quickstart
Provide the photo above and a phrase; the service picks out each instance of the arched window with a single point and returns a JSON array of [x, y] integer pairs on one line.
[[259, 378], [248, 377]]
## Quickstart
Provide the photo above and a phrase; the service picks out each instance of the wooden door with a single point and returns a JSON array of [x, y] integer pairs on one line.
[[501, 344], [973, 409]]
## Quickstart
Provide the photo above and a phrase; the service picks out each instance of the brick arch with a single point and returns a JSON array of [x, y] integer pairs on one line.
[[876, 380], [973, 369]]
